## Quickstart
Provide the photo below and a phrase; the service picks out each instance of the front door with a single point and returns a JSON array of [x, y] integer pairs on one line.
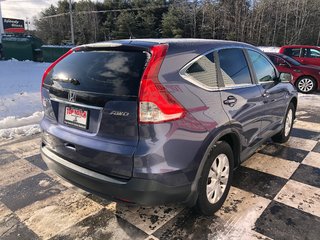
[[273, 94]]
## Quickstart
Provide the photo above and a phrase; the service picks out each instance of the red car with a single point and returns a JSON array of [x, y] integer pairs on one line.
[[303, 53], [305, 77]]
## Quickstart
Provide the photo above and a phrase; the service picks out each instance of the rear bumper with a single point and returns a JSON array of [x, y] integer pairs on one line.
[[135, 190]]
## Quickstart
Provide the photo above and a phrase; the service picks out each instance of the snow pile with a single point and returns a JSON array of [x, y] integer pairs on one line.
[[269, 49], [20, 104], [13, 122], [15, 132]]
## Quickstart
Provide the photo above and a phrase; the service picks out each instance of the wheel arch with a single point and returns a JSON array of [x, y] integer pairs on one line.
[[234, 142], [227, 135], [294, 101]]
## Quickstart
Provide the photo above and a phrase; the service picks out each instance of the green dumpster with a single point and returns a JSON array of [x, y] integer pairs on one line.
[[50, 53], [21, 47]]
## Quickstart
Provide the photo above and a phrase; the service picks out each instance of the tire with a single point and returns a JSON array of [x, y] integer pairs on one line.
[[284, 134], [306, 84], [219, 164]]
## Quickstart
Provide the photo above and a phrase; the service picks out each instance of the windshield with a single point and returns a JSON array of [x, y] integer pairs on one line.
[[291, 60]]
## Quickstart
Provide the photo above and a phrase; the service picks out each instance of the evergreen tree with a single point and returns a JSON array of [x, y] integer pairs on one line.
[[260, 22]]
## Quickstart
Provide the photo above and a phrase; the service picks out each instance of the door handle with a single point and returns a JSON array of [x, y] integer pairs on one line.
[[70, 146], [231, 101]]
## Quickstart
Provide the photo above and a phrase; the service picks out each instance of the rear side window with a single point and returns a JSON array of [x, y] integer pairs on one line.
[[203, 71], [311, 53], [234, 67], [108, 72], [262, 67], [292, 52]]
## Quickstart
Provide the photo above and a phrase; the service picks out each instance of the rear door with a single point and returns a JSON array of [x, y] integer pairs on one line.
[[241, 98], [310, 56], [92, 101]]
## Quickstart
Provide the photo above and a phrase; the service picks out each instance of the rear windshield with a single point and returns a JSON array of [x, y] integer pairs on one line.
[[108, 72]]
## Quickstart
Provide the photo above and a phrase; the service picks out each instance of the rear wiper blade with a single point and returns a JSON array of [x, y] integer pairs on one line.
[[69, 80]]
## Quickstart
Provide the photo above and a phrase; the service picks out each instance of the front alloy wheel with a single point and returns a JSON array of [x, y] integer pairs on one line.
[[284, 134], [288, 123], [305, 85]]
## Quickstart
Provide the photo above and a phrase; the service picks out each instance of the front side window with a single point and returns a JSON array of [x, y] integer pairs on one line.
[[234, 67], [292, 52], [277, 61], [203, 71], [262, 67]]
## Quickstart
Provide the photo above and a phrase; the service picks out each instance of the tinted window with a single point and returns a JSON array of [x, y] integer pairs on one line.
[[234, 67], [291, 60], [204, 71], [262, 67], [292, 52], [110, 72], [277, 60]]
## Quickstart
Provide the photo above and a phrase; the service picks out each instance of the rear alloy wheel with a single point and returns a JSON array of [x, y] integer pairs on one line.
[[284, 135], [216, 178], [306, 84]]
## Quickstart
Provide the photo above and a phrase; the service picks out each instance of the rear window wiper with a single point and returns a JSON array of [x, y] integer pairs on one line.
[[67, 80]]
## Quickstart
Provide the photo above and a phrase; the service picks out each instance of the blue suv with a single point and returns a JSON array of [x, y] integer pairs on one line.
[[153, 121]]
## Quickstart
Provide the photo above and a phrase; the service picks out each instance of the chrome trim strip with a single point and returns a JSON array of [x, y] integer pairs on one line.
[[187, 77], [238, 86], [76, 104]]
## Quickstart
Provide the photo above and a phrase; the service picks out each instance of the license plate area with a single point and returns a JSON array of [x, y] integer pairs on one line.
[[76, 117]]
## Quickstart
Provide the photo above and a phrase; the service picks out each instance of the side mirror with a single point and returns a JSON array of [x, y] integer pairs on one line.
[[285, 77]]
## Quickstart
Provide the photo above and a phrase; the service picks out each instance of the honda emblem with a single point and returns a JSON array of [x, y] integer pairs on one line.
[[72, 96]]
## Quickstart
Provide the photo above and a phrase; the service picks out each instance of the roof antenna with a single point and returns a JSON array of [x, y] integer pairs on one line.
[[131, 35]]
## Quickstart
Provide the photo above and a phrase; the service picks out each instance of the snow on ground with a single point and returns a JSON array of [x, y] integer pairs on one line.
[[310, 101], [20, 104]]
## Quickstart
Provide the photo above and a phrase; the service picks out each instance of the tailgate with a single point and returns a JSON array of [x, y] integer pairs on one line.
[[91, 97]]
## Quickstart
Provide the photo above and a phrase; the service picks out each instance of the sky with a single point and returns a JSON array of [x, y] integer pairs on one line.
[[23, 9]]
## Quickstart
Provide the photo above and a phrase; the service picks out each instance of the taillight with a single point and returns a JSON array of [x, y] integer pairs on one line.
[[46, 72], [156, 104]]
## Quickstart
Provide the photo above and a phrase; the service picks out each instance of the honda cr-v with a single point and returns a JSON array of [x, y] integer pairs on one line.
[[154, 121]]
